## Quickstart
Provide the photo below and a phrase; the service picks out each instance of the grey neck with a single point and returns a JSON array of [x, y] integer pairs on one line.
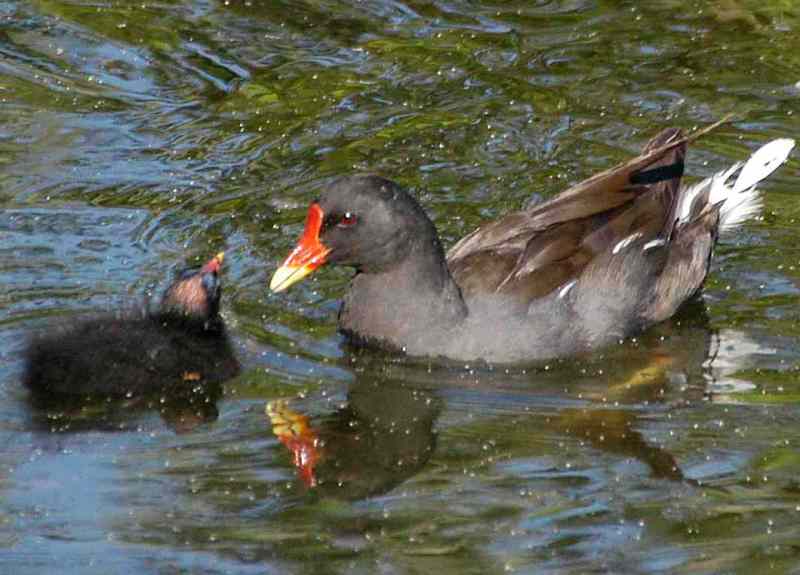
[[402, 306]]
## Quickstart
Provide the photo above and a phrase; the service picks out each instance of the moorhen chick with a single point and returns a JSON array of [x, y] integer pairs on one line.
[[599, 262], [182, 344]]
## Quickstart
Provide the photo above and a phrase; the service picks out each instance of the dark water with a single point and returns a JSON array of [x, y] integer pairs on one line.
[[138, 137]]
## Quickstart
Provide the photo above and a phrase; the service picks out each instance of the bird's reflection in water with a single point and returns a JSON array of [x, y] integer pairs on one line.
[[386, 431], [614, 431], [668, 371], [381, 437], [182, 409]]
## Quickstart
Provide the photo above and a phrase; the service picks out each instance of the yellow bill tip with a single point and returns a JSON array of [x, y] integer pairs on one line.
[[286, 276]]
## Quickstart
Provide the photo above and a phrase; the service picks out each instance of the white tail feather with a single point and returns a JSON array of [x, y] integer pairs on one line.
[[762, 163], [742, 200]]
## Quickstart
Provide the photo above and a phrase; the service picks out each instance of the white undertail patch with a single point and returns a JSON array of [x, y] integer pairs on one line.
[[740, 199]]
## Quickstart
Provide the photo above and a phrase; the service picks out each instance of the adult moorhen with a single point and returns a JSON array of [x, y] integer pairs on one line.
[[601, 261], [182, 344]]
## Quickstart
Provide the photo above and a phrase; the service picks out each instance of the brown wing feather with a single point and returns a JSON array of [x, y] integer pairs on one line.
[[531, 253]]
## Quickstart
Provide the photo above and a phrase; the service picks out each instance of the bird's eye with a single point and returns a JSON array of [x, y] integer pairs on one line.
[[347, 220]]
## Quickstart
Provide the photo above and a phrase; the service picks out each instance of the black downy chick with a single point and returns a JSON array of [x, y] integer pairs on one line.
[[181, 345]]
